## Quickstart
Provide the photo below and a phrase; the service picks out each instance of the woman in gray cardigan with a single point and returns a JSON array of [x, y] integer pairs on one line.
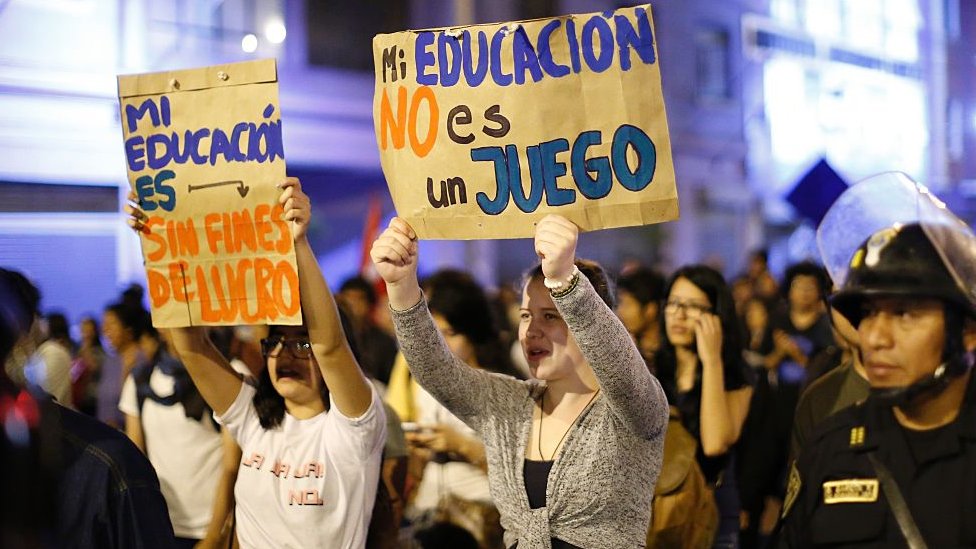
[[574, 454]]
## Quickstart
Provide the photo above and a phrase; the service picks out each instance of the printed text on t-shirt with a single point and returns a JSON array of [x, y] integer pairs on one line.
[[280, 469]]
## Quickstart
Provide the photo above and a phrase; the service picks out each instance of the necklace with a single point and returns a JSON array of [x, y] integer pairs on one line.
[[568, 429]]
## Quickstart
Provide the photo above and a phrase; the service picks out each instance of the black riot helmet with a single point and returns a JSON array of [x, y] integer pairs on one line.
[[897, 261], [908, 244]]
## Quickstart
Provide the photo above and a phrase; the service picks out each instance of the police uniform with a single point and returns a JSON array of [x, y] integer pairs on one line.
[[837, 494], [835, 498]]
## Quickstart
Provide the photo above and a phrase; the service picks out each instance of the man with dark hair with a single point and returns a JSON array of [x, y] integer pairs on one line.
[[898, 468], [68, 480], [803, 329], [378, 349], [758, 263], [640, 292]]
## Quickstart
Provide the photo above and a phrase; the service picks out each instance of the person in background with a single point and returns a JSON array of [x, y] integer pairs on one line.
[[758, 265], [762, 280], [122, 326], [59, 332], [574, 454], [640, 292], [742, 292], [50, 366], [762, 446], [240, 344], [378, 348], [702, 370], [66, 479], [803, 329], [86, 369], [758, 341], [196, 461], [802, 337], [311, 431], [39, 363]]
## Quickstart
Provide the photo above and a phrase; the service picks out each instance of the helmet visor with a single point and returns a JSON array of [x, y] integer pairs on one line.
[[887, 200]]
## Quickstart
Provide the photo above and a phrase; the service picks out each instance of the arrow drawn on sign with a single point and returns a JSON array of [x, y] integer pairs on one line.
[[241, 188]]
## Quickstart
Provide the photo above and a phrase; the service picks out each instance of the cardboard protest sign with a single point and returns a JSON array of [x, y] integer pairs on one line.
[[204, 155], [484, 130]]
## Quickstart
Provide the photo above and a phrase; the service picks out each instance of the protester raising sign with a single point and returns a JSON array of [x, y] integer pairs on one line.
[[484, 130], [204, 155]]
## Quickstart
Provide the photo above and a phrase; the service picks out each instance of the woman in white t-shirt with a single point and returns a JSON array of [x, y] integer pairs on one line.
[[312, 431]]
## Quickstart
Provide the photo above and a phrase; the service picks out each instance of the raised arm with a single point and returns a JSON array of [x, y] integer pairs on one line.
[[346, 382], [452, 382], [210, 370], [395, 256], [634, 395]]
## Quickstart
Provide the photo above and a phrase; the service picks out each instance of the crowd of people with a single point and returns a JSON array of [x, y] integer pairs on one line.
[[574, 408]]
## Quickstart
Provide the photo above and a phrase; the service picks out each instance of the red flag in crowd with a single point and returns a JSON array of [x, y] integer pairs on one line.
[[371, 229]]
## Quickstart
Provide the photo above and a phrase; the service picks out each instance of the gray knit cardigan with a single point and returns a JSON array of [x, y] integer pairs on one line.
[[602, 482]]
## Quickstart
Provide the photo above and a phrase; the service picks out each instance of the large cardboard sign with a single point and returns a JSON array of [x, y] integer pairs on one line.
[[484, 130], [204, 154]]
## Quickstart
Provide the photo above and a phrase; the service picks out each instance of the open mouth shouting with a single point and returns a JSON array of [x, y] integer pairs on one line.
[[291, 371], [536, 353]]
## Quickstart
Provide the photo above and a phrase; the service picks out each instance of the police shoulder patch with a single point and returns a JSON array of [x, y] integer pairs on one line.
[[852, 490]]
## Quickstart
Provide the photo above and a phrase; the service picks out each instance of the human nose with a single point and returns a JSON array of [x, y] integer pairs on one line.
[[875, 331], [532, 328]]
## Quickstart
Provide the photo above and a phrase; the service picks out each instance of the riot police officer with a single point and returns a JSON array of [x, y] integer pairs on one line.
[[898, 469]]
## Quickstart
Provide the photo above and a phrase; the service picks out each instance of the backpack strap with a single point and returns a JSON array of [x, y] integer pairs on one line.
[[140, 376]]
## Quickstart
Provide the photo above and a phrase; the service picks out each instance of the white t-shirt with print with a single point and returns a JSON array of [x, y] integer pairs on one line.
[[185, 452], [309, 482]]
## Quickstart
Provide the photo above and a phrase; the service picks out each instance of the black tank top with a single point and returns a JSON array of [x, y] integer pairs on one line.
[[535, 474]]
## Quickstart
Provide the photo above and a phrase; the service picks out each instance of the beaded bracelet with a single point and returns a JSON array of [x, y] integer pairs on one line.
[[565, 289], [556, 285]]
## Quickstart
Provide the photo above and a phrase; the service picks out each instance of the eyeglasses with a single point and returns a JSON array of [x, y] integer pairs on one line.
[[691, 309], [299, 348]]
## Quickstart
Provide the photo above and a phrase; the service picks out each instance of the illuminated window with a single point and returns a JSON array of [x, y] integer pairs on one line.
[[889, 26], [858, 101], [785, 11], [824, 18]]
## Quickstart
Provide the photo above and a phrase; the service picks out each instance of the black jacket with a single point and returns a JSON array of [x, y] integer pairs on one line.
[[834, 496]]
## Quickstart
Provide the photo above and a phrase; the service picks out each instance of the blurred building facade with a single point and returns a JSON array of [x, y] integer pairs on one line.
[[756, 92]]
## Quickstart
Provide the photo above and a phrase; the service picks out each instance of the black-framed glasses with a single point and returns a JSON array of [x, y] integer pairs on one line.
[[690, 308], [299, 348]]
